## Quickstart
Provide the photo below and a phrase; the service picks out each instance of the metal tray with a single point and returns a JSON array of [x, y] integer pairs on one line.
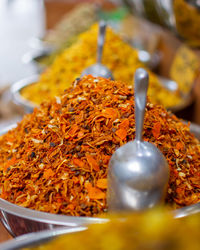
[[29, 106], [19, 220]]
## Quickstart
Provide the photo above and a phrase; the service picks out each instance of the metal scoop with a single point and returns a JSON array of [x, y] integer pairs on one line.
[[98, 69], [138, 172]]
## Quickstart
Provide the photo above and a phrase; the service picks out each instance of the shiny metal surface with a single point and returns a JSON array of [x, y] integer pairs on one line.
[[35, 239], [38, 238], [188, 210], [99, 69], [138, 172], [168, 84], [19, 220], [18, 98]]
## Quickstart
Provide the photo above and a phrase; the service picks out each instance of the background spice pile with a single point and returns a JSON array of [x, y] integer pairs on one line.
[[56, 159], [118, 56]]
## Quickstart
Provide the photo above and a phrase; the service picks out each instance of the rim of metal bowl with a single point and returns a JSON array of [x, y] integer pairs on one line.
[[56, 219], [16, 92], [184, 103], [37, 238]]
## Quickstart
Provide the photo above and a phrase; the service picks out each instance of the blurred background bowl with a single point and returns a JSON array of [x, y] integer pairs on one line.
[[180, 16]]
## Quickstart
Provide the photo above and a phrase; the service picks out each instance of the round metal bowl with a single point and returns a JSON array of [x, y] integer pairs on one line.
[[19, 220], [29, 106], [18, 98], [35, 239], [162, 12]]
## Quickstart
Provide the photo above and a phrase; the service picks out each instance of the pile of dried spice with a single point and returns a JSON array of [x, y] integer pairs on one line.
[[56, 159], [187, 18], [118, 56]]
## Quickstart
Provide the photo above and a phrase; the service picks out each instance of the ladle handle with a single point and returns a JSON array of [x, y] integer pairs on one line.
[[141, 86], [101, 38]]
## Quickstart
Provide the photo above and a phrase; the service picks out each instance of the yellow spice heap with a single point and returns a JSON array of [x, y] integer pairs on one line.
[[118, 56], [154, 229]]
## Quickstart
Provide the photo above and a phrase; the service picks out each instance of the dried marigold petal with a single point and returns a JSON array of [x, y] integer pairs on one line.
[[124, 124], [121, 133], [9, 163], [95, 193], [73, 130], [110, 113], [92, 162], [78, 162], [48, 173], [156, 129], [180, 145], [102, 183]]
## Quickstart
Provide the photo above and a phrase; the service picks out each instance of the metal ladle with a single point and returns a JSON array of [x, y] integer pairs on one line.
[[138, 172], [98, 69]]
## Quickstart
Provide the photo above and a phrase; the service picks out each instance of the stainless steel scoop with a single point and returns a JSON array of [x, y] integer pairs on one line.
[[98, 69], [138, 172]]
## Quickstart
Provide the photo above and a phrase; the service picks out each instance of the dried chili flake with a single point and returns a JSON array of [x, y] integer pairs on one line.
[[110, 113], [60, 178], [156, 129], [78, 162], [121, 133], [48, 173], [95, 193], [92, 162], [102, 183], [180, 145], [124, 124]]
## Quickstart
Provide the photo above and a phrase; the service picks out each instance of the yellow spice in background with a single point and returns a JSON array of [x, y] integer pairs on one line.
[[151, 230], [118, 56]]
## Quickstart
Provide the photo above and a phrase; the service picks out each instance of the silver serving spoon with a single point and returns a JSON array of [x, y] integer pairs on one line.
[[169, 84], [138, 172], [98, 69]]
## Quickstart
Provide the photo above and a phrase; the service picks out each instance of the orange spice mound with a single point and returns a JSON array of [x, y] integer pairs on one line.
[[56, 160]]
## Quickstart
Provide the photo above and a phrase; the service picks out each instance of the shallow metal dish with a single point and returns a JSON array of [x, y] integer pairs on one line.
[[18, 98], [29, 106], [35, 239], [19, 220]]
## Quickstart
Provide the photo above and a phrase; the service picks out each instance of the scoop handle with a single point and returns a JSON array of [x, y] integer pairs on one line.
[[141, 86], [101, 39]]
